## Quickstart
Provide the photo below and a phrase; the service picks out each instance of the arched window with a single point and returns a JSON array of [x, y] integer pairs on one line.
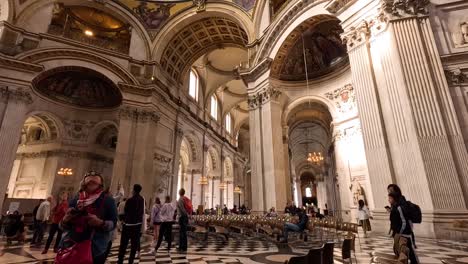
[[308, 192], [193, 85], [228, 122], [214, 107]]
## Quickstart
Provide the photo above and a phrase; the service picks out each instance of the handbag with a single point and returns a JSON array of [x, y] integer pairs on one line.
[[78, 253]]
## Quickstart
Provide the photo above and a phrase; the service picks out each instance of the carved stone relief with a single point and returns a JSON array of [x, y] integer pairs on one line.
[[78, 129], [344, 99], [460, 35]]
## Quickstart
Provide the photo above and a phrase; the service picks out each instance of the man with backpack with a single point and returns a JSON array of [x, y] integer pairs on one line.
[[184, 209]]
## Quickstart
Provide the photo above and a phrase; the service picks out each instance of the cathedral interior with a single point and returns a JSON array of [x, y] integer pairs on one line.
[[243, 103]]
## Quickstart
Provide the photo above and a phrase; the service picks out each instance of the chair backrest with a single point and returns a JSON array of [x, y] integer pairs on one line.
[[315, 255], [297, 260], [328, 253]]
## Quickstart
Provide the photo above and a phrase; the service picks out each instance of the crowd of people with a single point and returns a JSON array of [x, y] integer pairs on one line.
[[86, 224]]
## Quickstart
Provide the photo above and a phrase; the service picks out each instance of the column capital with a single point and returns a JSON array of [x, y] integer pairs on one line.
[[355, 36], [161, 158], [263, 96], [145, 116], [128, 113], [405, 8], [179, 132], [137, 114]]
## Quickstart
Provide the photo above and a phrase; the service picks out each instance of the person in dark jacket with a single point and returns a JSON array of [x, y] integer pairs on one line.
[[91, 215], [393, 188], [299, 227], [131, 229], [400, 224]]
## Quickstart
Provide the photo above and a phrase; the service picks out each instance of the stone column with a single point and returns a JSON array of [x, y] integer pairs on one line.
[[15, 106], [370, 113], [273, 157], [122, 167], [144, 172], [287, 163], [178, 134], [256, 156]]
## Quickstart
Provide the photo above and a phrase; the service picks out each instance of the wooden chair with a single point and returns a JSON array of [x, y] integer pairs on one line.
[[298, 260], [328, 249], [348, 247]]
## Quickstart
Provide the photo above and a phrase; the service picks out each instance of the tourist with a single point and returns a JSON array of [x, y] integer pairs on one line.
[[42, 216], [92, 215], [299, 227], [393, 188], [243, 209], [363, 217], [121, 213], [234, 210], [272, 212], [399, 223], [225, 210], [184, 209], [13, 227], [167, 218], [59, 212], [132, 225], [155, 221]]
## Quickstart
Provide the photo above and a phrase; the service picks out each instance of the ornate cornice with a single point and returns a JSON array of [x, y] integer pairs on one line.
[[255, 73], [360, 34], [134, 89], [162, 158], [263, 96], [64, 154], [15, 95], [138, 114], [405, 8], [336, 5], [456, 77], [19, 65]]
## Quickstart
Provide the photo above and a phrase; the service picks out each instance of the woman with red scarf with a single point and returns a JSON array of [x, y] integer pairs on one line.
[[59, 212], [92, 216]]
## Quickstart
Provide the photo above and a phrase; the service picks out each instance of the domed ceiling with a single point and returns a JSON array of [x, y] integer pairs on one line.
[[78, 86], [315, 43]]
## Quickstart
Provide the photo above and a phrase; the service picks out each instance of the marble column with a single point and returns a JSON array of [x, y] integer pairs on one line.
[[122, 167], [256, 156], [15, 106], [370, 113], [144, 172], [178, 134]]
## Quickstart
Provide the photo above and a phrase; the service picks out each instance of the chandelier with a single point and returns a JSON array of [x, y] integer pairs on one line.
[[315, 157], [237, 190], [203, 180], [223, 185], [65, 171]]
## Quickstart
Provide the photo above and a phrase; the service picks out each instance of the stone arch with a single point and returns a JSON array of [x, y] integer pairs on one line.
[[107, 126], [53, 125], [111, 7], [55, 57], [194, 146], [180, 21], [213, 155], [228, 169], [7, 10], [287, 110], [293, 15]]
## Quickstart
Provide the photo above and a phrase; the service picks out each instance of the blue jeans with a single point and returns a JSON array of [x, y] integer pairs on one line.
[[290, 227]]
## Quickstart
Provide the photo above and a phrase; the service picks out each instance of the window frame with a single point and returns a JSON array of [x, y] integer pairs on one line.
[[197, 85], [214, 108], [227, 126]]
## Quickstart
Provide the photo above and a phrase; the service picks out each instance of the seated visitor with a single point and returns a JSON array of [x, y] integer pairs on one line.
[[272, 213], [235, 210], [225, 210], [299, 227], [14, 227]]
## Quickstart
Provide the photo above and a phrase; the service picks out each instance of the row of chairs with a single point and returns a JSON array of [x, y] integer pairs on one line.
[[321, 255]]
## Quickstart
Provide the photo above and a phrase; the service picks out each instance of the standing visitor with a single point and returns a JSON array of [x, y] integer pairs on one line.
[[167, 218], [42, 216], [59, 212], [363, 217], [121, 212], [393, 188], [184, 208], [131, 229], [400, 224], [91, 217], [156, 221]]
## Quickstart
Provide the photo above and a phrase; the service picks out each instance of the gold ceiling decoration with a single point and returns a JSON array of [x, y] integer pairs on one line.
[[198, 38], [318, 40]]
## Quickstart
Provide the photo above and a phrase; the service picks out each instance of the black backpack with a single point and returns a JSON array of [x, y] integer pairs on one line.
[[413, 212]]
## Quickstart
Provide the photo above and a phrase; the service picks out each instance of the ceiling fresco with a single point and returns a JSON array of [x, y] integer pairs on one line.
[[154, 14], [78, 86], [317, 45]]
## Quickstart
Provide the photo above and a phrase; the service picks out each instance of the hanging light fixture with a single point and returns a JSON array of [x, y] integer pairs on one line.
[[65, 172], [223, 185], [315, 157], [237, 189], [203, 180]]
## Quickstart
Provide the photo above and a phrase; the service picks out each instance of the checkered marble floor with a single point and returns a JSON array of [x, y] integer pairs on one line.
[[255, 249]]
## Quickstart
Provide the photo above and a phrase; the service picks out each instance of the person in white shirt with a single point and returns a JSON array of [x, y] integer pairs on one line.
[[156, 221], [167, 219], [363, 217], [42, 216]]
